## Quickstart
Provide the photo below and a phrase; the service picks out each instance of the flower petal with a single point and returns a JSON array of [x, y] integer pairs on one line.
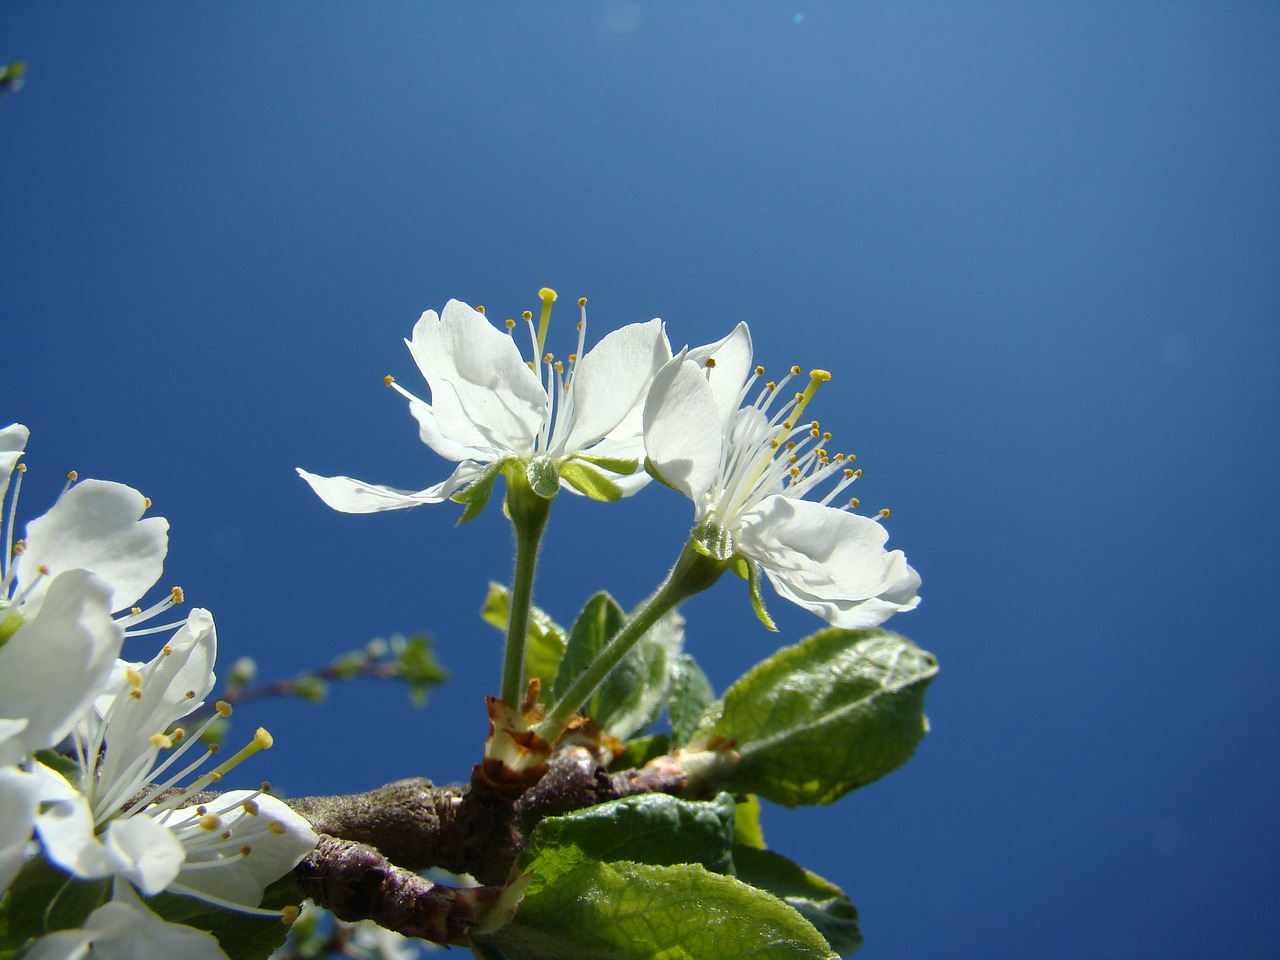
[[56, 663], [65, 827], [125, 929], [482, 393], [13, 440], [20, 794], [682, 432], [732, 356], [96, 525], [610, 384], [355, 496], [829, 561], [143, 852], [242, 879]]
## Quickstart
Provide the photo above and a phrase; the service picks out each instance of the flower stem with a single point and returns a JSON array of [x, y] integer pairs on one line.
[[692, 573], [529, 513]]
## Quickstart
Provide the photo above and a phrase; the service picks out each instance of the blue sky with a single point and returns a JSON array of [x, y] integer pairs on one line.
[[1036, 244]]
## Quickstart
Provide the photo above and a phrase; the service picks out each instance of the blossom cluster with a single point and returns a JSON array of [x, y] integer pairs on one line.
[[95, 761], [763, 482]]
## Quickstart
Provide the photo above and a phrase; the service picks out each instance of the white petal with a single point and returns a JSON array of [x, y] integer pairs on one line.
[[355, 496], [65, 828], [12, 749], [429, 433], [828, 561], [482, 392], [732, 356], [271, 855], [62, 945], [611, 382], [13, 440], [97, 526], [125, 929], [682, 433], [20, 793], [54, 666], [143, 852], [174, 683]]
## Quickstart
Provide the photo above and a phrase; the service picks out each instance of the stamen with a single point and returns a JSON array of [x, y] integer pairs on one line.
[[388, 380], [479, 309], [548, 297]]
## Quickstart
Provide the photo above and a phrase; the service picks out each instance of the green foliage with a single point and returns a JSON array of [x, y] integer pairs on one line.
[[819, 901], [241, 935], [589, 481], [635, 691], [544, 645], [476, 496], [691, 694], [416, 665], [746, 823], [616, 883], [818, 719], [42, 899]]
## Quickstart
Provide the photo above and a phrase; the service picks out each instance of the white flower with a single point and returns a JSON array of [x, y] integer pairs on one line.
[[750, 468], [577, 427], [124, 929], [112, 822]]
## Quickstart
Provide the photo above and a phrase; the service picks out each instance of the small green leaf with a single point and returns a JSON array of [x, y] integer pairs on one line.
[[818, 719], [544, 645], [648, 828], [819, 901], [757, 598], [746, 823], [691, 693], [640, 751], [476, 495], [599, 620], [417, 665], [63, 764], [589, 481]]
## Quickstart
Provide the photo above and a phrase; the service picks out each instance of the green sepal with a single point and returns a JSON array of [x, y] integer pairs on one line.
[[819, 901], [543, 477], [757, 598], [476, 495], [589, 481], [818, 719], [613, 464], [691, 693], [544, 644]]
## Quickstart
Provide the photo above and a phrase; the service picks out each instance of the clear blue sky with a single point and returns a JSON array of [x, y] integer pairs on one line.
[[1037, 245]]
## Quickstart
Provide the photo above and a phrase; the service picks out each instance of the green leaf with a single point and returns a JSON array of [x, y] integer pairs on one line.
[[818, 719], [819, 901], [746, 823], [691, 693], [417, 665], [63, 764], [640, 751], [477, 493], [544, 645], [589, 481], [42, 899], [589, 900], [241, 936], [633, 694], [648, 828]]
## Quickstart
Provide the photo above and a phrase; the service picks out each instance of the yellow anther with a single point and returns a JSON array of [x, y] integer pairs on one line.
[[527, 315], [210, 822], [815, 432], [795, 371], [135, 694], [160, 741], [771, 386], [853, 502], [794, 471], [177, 594], [72, 476], [22, 468], [276, 827], [711, 363], [509, 323], [166, 650], [388, 380], [265, 786], [858, 473], [133, 676], [531, 365], [559, 366], [179, 734], [43, 569], [848, 474], [262, 739], [479, 309], [246, 850], [573, 358], [202, 810], [548, 357], [582, 301], [223, 708], [190, 694], [884, 514], [288, 915], [250, 807], [759, 371], [19, 548], [826, 435], [792, 459], [135, 610], [146, 503]]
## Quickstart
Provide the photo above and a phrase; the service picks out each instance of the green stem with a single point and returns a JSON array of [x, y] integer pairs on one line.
[[529, 513], [692, 573]]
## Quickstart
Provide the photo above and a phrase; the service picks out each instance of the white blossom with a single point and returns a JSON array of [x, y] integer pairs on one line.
[[576, 426], [755, 473]]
